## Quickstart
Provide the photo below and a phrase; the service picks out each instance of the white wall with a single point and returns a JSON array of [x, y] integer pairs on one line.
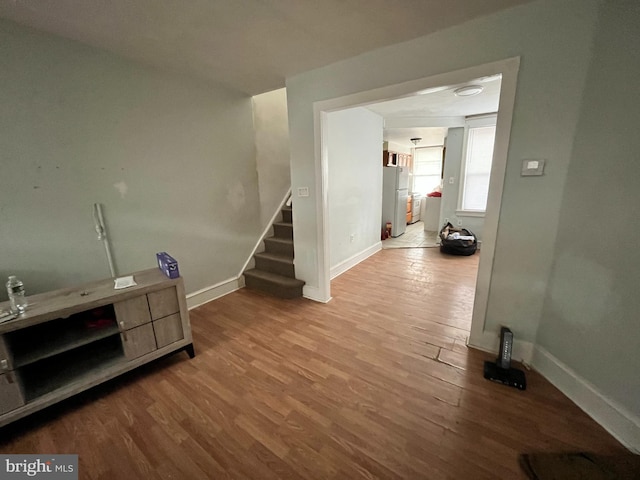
[[395, 147], [271, 125], [354, 153], [589, 324], [171, 159], [553, 39], [450, 191]]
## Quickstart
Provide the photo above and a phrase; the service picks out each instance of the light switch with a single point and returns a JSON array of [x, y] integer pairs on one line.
[[303, 191], [532, 167]]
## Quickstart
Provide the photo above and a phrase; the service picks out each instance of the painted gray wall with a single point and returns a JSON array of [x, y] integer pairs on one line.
[[172, 161], [270, 120], [450, 191], [590, 316], [354, 150], [553, 38]]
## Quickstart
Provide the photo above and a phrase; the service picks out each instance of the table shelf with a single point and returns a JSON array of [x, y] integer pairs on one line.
[[60, 335]]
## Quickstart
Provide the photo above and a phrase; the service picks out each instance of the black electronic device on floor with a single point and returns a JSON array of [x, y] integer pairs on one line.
[[500, 371]]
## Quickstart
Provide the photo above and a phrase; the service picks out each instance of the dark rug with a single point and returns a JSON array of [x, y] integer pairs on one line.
[[580, 466]]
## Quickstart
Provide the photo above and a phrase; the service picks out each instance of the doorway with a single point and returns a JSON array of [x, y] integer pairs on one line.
[[508, 69], [415, 236]]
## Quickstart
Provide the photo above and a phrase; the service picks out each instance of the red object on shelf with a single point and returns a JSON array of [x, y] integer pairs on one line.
[[99, 318], [434, 194], [100, 323]]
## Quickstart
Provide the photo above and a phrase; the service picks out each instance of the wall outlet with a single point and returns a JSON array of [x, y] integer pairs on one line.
[[352, 237], [532, 167], [451, 180], [459, 223], [446, 220]]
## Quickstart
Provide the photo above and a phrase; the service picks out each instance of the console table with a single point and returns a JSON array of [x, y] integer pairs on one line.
[[72, 339]]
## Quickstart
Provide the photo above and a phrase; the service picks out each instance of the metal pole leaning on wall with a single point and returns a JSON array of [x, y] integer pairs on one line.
[[101, 230]]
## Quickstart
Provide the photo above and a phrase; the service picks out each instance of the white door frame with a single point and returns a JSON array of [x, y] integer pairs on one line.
[[509, 70]]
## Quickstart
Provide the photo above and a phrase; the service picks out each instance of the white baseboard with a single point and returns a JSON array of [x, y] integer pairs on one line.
[[614, 418], [490, 342], [218, 290], [355, 259], [313, 293]]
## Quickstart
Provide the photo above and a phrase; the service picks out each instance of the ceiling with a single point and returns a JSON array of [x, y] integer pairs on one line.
[[247, 45], [429, 113]]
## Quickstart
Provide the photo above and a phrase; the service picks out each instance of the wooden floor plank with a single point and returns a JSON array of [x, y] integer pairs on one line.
[[376, 384]]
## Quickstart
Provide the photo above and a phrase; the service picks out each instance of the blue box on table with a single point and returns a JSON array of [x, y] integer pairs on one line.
[[168, 264]]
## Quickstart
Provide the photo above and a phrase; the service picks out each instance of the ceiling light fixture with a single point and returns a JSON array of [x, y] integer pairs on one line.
[[415, 140], [468, 90], [427, 91], [490, 78]]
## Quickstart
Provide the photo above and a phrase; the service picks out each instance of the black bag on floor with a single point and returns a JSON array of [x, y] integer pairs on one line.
[[457, 241]]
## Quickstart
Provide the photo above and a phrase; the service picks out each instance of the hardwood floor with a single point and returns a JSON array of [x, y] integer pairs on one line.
[[414, 236], [377, 383]]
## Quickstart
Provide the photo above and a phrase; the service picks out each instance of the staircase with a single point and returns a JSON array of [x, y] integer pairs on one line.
[[274, 271]]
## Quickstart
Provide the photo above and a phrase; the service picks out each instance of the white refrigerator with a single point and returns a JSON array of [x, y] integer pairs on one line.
[[395, 183]]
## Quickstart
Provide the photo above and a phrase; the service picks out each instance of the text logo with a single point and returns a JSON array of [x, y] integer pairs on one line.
[[50, 467]]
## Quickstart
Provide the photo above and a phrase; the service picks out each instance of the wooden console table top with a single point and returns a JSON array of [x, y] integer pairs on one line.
[[67, 301]]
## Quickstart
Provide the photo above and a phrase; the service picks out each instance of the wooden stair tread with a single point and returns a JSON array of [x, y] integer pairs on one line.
[[274, 271], [288, 241], [275, 278], [277, 257]]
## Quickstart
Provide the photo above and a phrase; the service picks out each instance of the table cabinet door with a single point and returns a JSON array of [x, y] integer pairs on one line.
[[138, 341], [6, 359], [133, 312], [168, 330], [11, 396], [163, 303]]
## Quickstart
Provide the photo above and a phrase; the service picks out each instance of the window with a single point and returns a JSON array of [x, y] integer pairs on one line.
[[427, 169], [476, 169]]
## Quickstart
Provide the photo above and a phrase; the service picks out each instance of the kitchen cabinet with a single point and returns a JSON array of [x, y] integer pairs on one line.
[[416, 202], [431, 217], [396, 159]]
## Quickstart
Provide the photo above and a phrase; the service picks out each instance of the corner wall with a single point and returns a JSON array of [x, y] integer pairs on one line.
[[588, 340], [450, 192], [171, 160], [354, 152], [270, 120]]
